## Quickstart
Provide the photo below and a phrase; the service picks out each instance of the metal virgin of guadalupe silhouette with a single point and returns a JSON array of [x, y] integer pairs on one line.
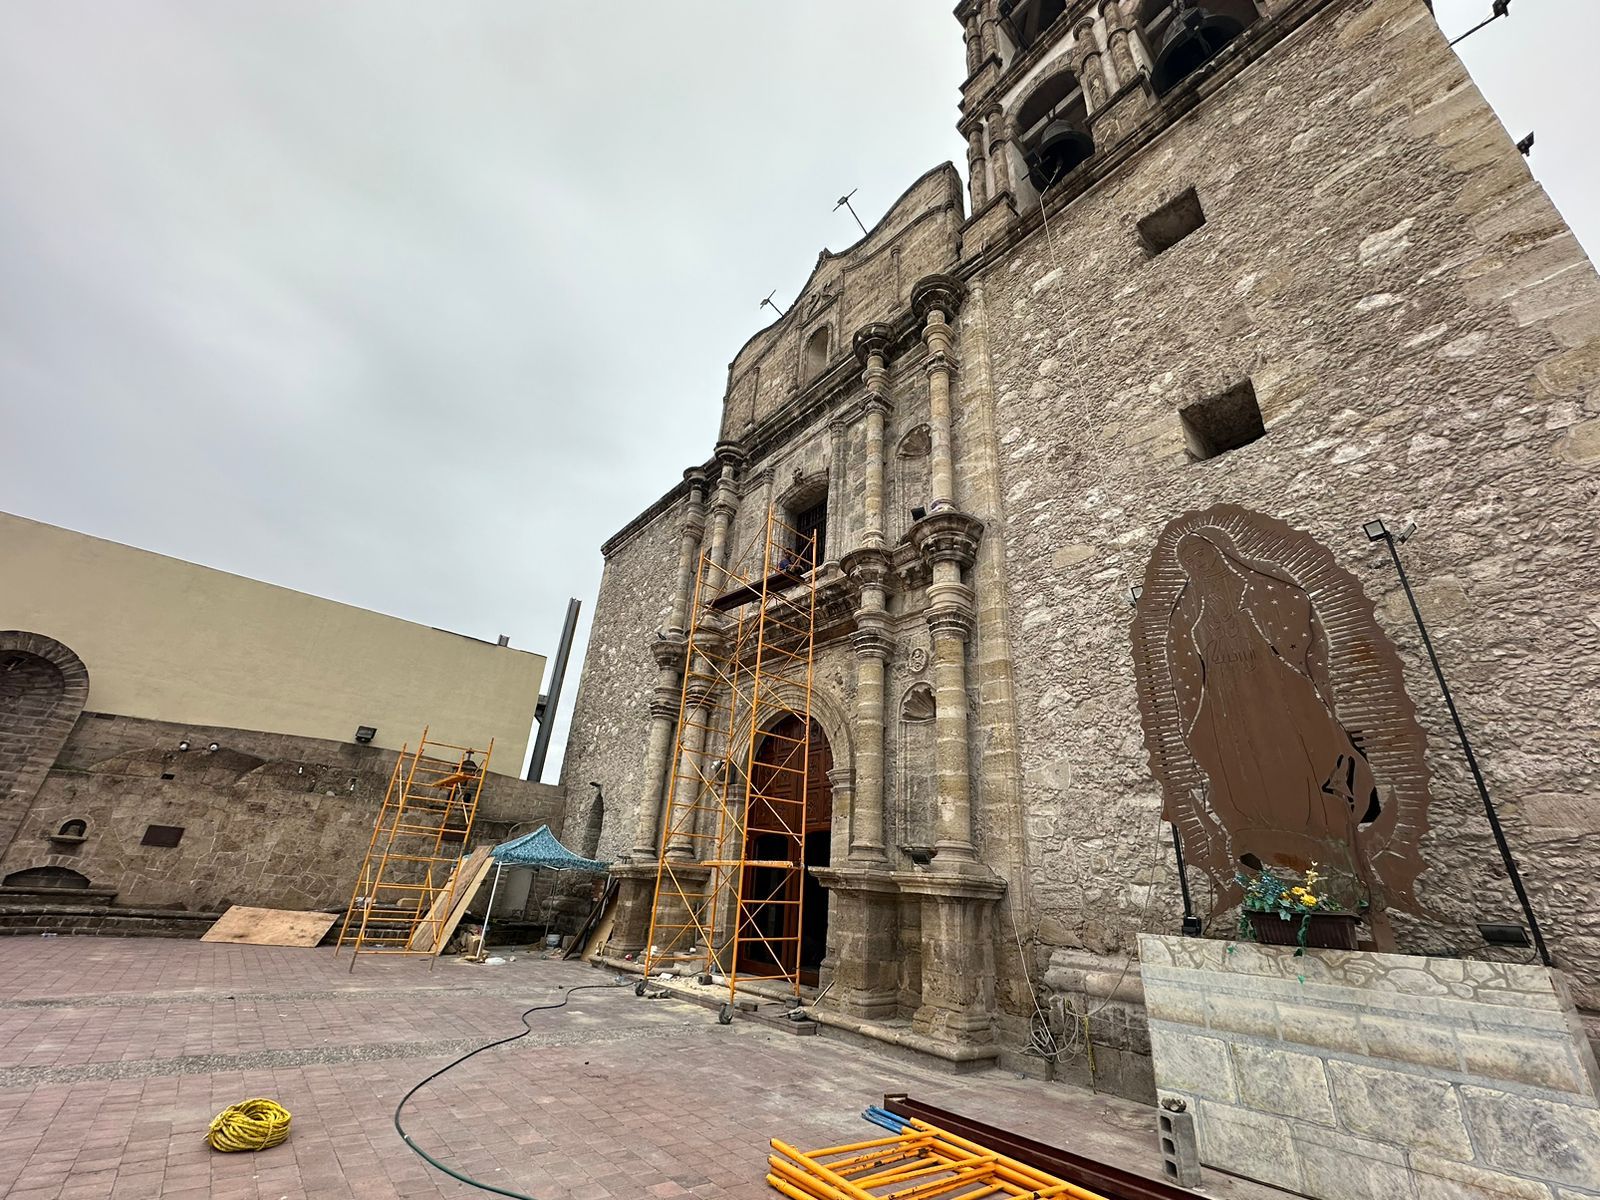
[[1274, 709]]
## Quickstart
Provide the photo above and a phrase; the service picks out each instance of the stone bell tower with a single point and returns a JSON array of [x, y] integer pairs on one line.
[[1052, 82]]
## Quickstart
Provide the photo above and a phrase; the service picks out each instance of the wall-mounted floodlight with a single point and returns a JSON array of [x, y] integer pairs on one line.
[[183, 745], [1504, 935], [1132, 595], [365, 734]]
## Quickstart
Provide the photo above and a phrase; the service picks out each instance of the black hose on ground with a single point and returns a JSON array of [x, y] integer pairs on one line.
[[526, 1030]]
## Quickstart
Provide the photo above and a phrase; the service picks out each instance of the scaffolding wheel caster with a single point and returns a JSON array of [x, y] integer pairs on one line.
[[725, 1015], [638, 988]]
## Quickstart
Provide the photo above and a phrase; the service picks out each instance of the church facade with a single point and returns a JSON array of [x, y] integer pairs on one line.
[[1276, 254]]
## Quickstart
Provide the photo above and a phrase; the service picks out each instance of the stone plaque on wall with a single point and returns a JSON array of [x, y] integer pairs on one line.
[[1274, 709]]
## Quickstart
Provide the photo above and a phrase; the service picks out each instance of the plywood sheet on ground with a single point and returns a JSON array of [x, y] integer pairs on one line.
[[269, 927], [450, 905]]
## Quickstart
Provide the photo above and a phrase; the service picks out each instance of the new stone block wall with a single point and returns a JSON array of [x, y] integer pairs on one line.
[[1352, 1075]]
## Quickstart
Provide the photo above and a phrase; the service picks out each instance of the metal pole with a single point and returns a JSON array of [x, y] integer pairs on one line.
[[551, 701], [1472, 761], [1191, 923], [488, 915]]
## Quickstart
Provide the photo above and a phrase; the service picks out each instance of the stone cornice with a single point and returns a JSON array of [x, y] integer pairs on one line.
[[947, 536], [942, 292]]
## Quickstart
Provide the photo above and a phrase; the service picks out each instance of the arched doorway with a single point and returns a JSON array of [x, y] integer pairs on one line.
[[43, 686], [784, 914]]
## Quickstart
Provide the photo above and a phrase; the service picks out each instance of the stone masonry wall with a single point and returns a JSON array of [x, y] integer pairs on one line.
[[611, 715], [1420, 330], [1350, 1075], [269, 820]]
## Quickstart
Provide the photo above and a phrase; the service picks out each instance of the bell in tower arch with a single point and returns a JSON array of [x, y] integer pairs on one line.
[[1193, 36], [1060, 148]]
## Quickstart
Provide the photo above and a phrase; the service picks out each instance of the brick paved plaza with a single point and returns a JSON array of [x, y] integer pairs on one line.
[[115, 1054]]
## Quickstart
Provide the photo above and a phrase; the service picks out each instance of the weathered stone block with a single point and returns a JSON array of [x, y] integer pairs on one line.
[[1546, 1064], [1537, 1138], [1324, 1027], [1196, 1065], [1283, 1082], [1172, 1002], [1248, 1143], [1413, 1110], [1425, 1043], [1242, 1014], [1352, 1169], [1439, 1179]]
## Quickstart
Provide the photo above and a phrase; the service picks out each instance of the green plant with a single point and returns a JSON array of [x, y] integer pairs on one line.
[[1269, 892]]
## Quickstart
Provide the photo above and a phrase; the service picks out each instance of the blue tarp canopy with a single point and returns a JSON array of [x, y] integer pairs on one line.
[[540, 849]]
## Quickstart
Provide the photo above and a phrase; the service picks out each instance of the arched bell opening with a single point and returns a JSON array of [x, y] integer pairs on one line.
[[1052, 126], [1025, 20], [1183, 37]]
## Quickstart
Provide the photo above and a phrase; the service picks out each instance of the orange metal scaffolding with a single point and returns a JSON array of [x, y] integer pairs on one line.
[[729, 878]]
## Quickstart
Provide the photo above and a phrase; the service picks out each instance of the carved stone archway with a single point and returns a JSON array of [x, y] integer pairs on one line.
[[43, 688]]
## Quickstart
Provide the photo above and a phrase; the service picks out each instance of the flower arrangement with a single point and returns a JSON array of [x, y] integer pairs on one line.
[[1270, 893]]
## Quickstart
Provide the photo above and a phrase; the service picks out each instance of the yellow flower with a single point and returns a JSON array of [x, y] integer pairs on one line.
[[1309, 901]]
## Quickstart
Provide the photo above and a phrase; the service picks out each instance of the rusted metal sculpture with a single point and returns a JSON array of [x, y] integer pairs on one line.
[[1275, 710]]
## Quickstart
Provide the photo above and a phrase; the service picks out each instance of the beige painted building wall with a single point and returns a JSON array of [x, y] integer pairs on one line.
[[168, 640]]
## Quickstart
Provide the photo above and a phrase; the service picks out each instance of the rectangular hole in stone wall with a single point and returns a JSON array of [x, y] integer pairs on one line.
[[1171, 223], [1221, 423], [165, 836]]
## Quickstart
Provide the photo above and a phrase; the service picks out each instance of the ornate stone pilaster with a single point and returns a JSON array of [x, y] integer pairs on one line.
[[972, 33], [699, 694], [668, 648], [1119, 35], [694, 528], [935, 300], [872, 348], [949, 541], [874, 645], [1086, 64]]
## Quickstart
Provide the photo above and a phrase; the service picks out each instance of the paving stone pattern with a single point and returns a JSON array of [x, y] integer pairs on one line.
[[613, 1096]]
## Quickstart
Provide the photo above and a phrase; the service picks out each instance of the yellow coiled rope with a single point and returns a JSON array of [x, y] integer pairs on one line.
[[256, 1124]]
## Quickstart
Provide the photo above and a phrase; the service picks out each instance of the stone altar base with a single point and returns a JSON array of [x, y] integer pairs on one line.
[[1346, 1075]]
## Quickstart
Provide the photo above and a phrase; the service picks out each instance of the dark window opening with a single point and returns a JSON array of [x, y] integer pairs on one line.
[[168, 775], [1184, 37], [1222, 423], [46, 877], [73, 828], [811, 536], [816, 357], [1025, 20], [164, 836], [1171, 223]]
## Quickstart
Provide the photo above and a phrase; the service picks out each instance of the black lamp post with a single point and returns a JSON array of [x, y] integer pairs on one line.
[[1377, 531]]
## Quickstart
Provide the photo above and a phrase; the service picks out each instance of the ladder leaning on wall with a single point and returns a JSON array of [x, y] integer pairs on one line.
[[410, 884], [730, 867]]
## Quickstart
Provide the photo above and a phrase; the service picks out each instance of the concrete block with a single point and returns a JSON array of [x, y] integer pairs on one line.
[[1196, 1065], [1439, 1179], [1411, 1110], [1180, 1148], [1539, 1063], [1283, 1082], [1247, 1143], [1536, 1138]]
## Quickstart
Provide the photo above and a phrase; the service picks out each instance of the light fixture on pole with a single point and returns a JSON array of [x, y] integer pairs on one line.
[[1377, 530]]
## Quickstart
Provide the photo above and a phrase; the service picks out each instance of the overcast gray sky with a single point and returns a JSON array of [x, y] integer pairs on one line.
[[412, 304]]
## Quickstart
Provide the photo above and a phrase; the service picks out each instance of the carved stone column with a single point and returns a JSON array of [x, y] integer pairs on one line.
[[958, 973], [949, 541], [999, 150], [872, 348], [1119, 35], [874, 646], [668, 649], [972, 33], [977, 168], [723, 508], [1086, 64], [838, 431], [935, 300]]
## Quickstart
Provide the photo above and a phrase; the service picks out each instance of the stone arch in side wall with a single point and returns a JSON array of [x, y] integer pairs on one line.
[[43, 689]]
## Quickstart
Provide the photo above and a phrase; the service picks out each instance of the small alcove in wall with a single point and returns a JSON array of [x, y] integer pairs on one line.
[[815, 358]]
